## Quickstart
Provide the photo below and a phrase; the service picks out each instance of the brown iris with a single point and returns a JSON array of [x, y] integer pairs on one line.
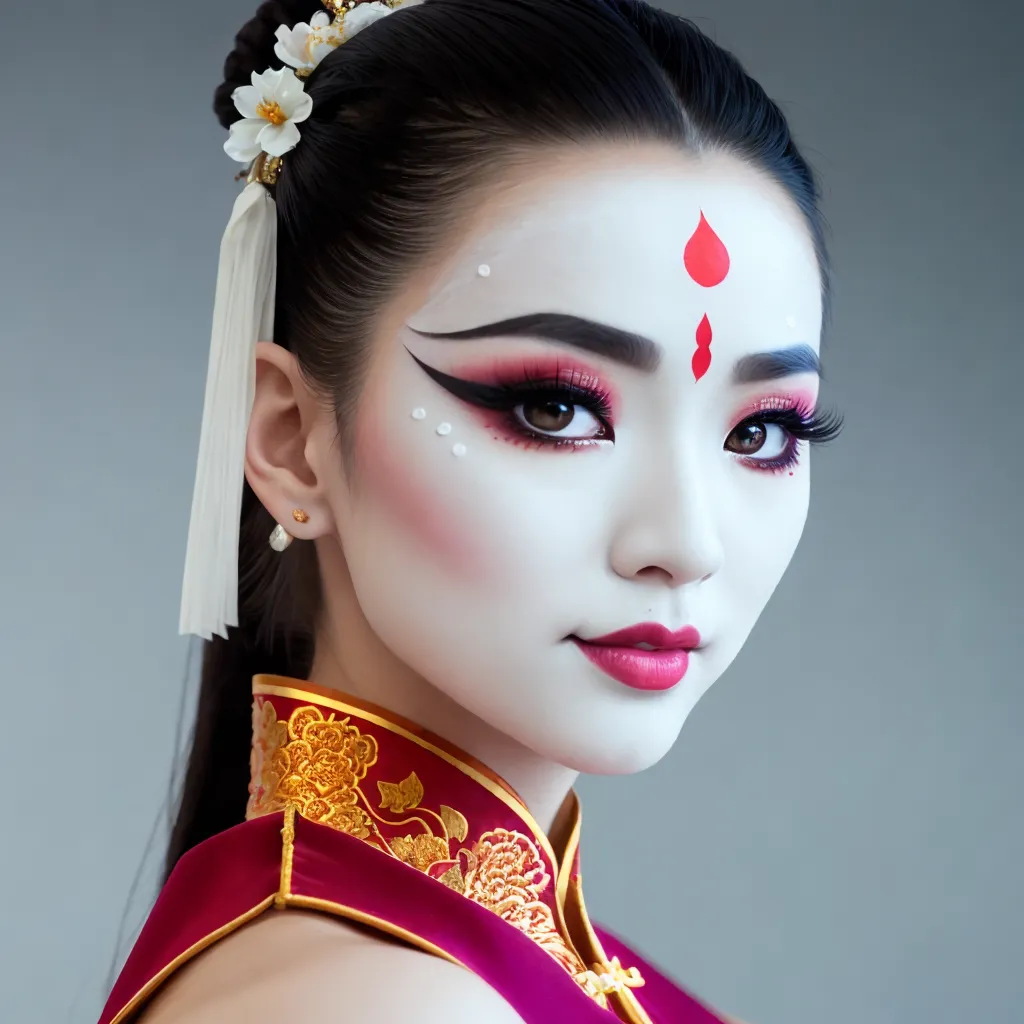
[[548, 417], [747, 438]]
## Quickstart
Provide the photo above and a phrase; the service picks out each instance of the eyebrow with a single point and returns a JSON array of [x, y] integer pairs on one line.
[[628, 348], [783, 362], [633, 350]]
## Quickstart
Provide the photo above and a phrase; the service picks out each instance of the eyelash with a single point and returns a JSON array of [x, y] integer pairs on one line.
[[817, 427], [504, 397]]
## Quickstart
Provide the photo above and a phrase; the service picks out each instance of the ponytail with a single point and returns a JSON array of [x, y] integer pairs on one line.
[[214, 789]]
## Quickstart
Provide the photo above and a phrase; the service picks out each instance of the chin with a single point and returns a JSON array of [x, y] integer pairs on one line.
[[619, 737], [620, 760]]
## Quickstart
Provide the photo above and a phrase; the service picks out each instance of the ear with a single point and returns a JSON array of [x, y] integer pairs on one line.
[[285, 413]]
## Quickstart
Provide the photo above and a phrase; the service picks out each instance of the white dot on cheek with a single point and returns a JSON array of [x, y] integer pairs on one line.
[[458, 450], [419, 414], [484, 270], [444, 428]]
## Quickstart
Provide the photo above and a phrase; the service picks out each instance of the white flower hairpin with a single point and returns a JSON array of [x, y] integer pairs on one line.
[[271, 108], [276, 102], [304, 45]]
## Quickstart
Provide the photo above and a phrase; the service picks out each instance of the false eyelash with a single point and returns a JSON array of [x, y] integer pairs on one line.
[[819, 427], [503, 397]]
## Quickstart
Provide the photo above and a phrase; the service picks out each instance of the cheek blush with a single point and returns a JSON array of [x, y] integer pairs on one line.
[[398, 485]]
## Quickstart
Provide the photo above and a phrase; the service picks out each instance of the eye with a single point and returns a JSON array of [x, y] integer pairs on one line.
[[554, 417], [767, 441]]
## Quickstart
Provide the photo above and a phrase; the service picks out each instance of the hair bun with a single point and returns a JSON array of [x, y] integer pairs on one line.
[[254, 49]]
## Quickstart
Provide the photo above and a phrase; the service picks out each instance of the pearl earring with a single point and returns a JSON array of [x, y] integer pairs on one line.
[[280, 538]]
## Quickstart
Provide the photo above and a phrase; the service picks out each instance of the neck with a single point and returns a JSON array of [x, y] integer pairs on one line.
[[350, 659]]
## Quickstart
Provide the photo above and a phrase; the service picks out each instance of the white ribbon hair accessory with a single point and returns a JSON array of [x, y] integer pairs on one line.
[[272, 107]]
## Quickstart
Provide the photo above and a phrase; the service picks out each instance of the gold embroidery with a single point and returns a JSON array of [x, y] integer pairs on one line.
[[454, 880], [312, 762], [421, 850], [455, 823], [401, 796], [507, 875], [313, 765]]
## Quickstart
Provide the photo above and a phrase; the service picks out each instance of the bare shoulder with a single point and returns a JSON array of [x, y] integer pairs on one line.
[[306, 967]]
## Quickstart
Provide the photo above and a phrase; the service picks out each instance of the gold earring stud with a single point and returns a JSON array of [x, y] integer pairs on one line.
[[300, 515]]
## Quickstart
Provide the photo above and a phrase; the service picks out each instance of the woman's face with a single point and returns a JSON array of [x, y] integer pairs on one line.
[[623, 456]]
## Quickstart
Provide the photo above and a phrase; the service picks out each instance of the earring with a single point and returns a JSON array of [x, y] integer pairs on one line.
[[280, 538]]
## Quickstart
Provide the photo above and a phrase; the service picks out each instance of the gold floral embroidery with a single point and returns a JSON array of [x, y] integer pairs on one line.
[[455, 823], [507, 875], [453, 879], [314, 763], [401, 796], [420, 851]]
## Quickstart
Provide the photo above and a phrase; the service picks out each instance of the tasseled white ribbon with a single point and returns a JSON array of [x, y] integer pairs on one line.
[[243, 313]]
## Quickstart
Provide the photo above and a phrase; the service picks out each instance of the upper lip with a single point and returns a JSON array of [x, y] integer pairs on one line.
[[652, 634]]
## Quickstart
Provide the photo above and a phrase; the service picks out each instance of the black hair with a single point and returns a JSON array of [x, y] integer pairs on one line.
[[412, 118]]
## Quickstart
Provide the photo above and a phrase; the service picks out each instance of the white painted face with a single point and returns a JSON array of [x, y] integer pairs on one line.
[[512, 491]]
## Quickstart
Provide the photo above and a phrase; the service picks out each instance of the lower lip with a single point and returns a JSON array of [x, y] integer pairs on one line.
[[640, 669]]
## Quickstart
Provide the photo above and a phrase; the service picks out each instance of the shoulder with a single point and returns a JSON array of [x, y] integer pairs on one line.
[[306, 967]]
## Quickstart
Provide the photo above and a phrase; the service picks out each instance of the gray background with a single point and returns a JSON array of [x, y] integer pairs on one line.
[[837, 839]]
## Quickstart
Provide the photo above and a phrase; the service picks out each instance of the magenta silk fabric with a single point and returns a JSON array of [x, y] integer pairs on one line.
[[227, 877], [338, 788]]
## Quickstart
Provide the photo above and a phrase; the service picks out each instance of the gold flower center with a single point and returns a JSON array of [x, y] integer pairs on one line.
[[272, 112]]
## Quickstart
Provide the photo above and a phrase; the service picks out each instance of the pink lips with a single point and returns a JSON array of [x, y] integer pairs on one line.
[[659, 669]]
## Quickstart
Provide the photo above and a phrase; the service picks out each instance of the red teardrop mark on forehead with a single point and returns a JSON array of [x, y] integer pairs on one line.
[[702, 356], [705, 257]]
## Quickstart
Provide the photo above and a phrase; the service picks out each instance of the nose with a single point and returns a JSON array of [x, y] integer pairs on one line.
[[669, 531]]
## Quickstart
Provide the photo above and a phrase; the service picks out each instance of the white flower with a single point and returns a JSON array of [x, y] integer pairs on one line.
[[365, 14], [271, 108], [304, 45]]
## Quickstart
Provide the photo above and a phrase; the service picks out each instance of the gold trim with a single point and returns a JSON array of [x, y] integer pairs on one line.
[[288, 899], [634, 1008], [287, 856], [182, 958], [264, 689], [341, 910], [568, 857], [629, 1003]]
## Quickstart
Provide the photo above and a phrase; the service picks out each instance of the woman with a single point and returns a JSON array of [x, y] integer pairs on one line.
[[545, 281]]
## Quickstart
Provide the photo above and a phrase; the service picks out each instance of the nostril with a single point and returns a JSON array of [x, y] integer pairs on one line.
[[654, 572]]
